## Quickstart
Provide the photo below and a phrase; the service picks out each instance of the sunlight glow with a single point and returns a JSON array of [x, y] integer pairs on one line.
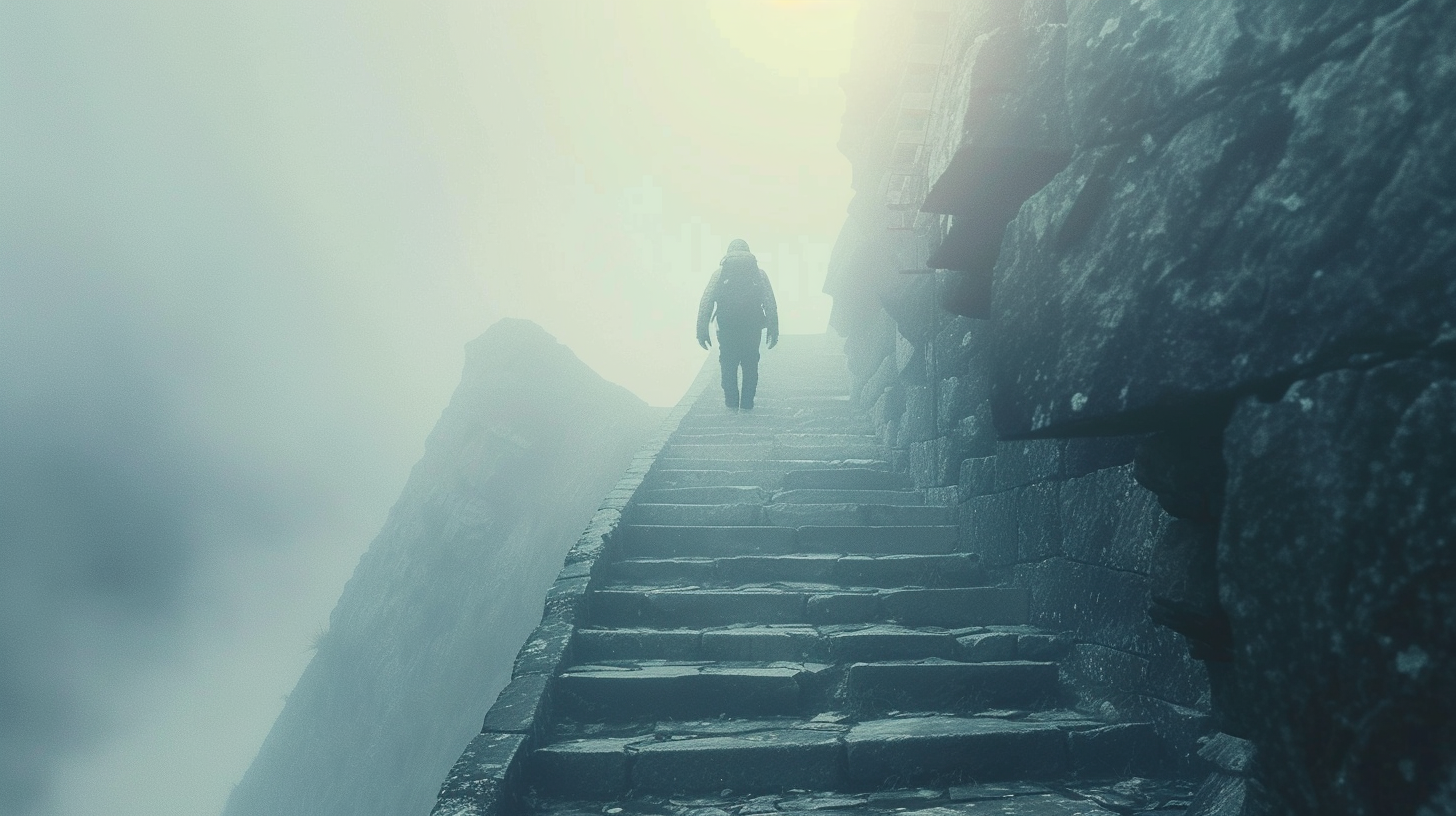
[[795, 38]]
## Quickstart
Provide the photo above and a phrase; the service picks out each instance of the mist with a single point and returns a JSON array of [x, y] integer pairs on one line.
[[241, 249]]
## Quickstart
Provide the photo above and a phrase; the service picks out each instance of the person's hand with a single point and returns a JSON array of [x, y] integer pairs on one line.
[[773, 340], [705, 342]]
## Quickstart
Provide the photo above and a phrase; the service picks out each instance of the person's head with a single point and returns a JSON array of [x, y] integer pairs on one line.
[[737, 245]]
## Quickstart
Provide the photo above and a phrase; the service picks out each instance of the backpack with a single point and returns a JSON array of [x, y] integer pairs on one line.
[[740, 300]]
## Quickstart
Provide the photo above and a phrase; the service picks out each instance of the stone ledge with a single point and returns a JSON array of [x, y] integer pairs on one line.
[[486, 780]]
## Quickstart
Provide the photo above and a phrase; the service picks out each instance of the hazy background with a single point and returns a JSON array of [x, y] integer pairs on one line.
[[241, 246]]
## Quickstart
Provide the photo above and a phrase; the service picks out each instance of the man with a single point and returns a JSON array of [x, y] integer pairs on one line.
[[740, 298]]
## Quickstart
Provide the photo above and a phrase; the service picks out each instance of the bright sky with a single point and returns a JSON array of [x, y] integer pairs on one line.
[[262, 232]]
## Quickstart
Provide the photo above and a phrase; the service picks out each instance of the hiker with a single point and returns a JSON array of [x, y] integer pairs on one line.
[[740, 297]]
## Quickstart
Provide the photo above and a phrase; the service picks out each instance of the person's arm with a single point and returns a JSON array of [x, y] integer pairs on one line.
[[705, 308], [770, 310]]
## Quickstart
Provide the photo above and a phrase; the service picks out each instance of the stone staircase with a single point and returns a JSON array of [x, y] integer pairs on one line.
[[783, 623]]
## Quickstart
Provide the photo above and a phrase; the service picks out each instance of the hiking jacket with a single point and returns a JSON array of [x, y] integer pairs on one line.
[[707, 307]]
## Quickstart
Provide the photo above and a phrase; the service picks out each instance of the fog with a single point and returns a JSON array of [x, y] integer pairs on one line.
[[241, 248]]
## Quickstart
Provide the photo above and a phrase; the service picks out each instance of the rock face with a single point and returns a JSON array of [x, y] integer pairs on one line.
[[1214, 239], [423, 635]]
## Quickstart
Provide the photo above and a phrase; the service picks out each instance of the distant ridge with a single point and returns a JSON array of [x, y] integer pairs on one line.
[[424, 633]]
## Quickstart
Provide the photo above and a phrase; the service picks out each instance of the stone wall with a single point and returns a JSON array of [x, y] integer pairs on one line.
[[1214, 239], [1061, 517]]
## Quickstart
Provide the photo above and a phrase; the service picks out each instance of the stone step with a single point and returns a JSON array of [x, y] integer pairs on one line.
[[943, 685], [740, 494], [662, 690], [845, 479], [674, 479], [790, 515], [771, 450], [693, 607], [780, 465], [678, 541], [904, 498], [888, 571], [754, 436], [726, 494], [748, 423], [790, 643], [760, 757]]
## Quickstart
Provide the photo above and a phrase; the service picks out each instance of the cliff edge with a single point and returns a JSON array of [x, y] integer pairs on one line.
[[423, 635]]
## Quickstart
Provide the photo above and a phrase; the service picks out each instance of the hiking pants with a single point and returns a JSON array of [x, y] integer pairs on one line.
[[739, 348]]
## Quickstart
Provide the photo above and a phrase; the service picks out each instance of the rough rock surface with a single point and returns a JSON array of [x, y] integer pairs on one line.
[[1339, 575], [1242, 269], [1260, 191], [423, 635]]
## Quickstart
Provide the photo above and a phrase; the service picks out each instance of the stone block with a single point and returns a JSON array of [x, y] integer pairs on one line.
[[1041, 646], [875, 643], [645, 571], [978, 476], [1098, 604], [596, 645], [1025, 462], [547, 648], [610, 694], [988, 647], [988, 528], [972, 606], [736, 515], [1038, 521], [1117, 751], [762, 643], [928, 750], [877, 540], [955, 570], [750, 569], [936, 462], [582, 769], [669, 541], [941, 685], [845, 479], [762, 762], [713, 607], [843, 607], [521, 707], [485, 779]]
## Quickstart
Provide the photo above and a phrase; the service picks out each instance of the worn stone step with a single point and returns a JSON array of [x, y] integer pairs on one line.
[[951, 686], [772, 757], [954, 570], [790, 515], [780, 464], [862, 515], [675, 479], [691, 607], [748, 423], [939, 749], [638, 540], [771, 450], [736, 494], [784, 642], [848, 496], [659, 690], [845, 479], [754, 436]]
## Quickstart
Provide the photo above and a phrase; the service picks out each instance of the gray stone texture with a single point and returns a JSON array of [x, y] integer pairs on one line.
[[1245, 169], [1339, 577], [422, 637]]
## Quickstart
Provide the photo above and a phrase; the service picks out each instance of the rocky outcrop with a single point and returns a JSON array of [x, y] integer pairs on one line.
[[423, 635], [1220, 231]]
